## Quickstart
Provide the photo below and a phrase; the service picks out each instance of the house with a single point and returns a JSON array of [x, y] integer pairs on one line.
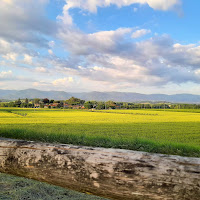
[[54, 105], [76, 106], [37, 105], [66, 105]]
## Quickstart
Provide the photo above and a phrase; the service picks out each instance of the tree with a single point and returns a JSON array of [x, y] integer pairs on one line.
[[88, 105], [75, 101], [45, 100], [18, 103], [12, 104], [24, 105], [62, 104], [41, 105], [100, 106], [36, 101], [26, 101], [125, 105], [30, 105], [110, 104]]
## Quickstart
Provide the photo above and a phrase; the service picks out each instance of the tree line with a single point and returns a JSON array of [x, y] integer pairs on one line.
[[78, 103]]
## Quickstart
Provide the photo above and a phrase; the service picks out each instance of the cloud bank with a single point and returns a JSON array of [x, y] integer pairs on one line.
[[108, 60]]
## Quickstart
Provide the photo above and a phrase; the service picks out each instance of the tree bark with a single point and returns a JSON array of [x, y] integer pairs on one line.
[[112, 173]]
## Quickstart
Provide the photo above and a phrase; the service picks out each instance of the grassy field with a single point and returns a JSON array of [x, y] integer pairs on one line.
[[157, 131], [17, 188]]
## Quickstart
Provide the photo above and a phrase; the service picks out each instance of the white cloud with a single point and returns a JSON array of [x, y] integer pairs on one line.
[[140, 33], [51, 44], [108, 39], [121, 70], [163, 4], [41, 69], [28, 59], [25, 22], [96, 68], [197, 72], [50, 52], [106, 59], [63, 82], [77, 42], [92, 5], [110, 57], [11, 49], [40, 84], [6, 74], [7, 1], [10, 56], [4, 45]]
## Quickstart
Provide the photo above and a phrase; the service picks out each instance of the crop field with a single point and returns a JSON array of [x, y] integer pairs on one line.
[[158, 131]]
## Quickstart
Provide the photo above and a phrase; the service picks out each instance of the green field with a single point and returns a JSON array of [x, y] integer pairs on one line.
[[157, 131]]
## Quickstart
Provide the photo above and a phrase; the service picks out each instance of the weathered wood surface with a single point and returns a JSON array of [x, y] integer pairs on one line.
[[112, 173]]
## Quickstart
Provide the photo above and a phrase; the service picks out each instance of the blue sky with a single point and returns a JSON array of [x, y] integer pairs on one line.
[[146, 46]]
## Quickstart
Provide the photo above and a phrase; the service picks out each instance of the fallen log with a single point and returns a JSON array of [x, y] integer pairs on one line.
[[111, 173]]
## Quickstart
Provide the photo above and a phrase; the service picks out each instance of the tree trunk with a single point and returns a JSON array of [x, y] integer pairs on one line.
[[112, 173]]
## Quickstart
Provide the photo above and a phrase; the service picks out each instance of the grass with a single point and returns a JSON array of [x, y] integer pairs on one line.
[[17, 188], [143, 130]]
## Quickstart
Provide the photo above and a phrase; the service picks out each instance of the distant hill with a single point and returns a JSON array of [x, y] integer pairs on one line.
[[32, 93], [98, 96]]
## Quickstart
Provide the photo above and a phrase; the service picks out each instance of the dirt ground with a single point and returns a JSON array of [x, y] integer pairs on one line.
[[17, 188]]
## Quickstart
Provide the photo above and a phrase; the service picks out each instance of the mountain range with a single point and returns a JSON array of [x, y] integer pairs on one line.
[[98, 96]]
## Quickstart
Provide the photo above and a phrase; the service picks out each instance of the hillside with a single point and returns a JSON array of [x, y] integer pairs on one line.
[[98, 96]]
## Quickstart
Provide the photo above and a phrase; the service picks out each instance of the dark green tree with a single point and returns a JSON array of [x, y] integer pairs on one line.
[[75, 101], [88, 105], [18, 103], [45, 101]]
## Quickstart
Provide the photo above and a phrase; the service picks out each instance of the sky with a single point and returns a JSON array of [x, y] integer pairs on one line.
[[143, 46]]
